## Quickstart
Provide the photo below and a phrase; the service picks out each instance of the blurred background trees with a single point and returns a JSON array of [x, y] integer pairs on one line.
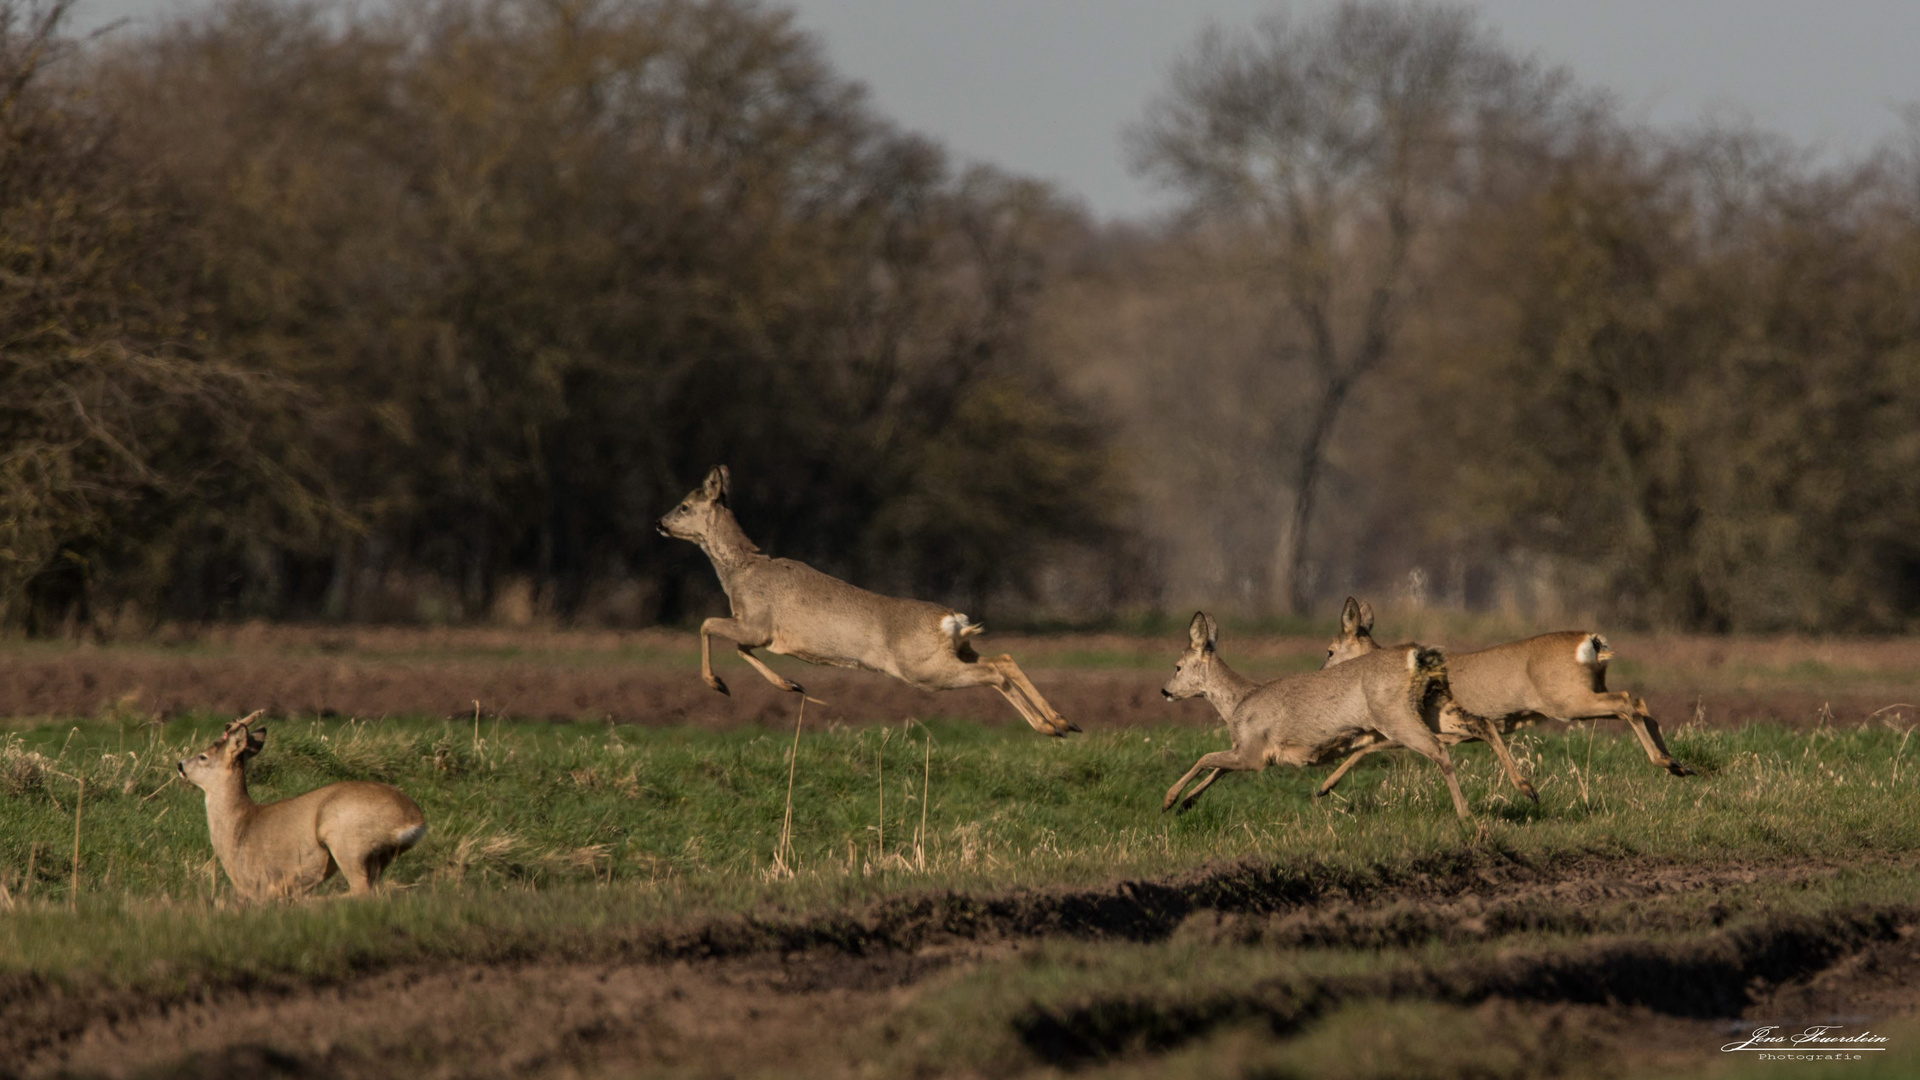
[[1329, 152], [427, 314]]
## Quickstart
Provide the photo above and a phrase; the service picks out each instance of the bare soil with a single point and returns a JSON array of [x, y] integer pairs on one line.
[[765, 997], [651, 677]]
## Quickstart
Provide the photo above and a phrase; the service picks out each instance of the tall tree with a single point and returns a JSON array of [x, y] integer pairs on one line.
[[1334, 146]]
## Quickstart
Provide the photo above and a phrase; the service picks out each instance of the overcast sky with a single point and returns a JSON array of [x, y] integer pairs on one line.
[[1044, 87]]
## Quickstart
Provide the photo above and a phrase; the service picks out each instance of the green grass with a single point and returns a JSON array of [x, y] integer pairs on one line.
[[580, 826], [591, 842]]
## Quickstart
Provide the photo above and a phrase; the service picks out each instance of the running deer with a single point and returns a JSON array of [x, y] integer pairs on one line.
[[1393, 695], [1559, 676], [286, 848], [790, 608]]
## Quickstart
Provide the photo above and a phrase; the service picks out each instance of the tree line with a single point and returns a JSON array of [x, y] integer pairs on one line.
[[307, 312]]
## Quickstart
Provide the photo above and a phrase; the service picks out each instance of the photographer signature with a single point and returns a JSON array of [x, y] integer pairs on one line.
[[1818, 1035]]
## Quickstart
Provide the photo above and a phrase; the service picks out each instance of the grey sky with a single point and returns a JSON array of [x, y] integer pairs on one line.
[[1044, 86]]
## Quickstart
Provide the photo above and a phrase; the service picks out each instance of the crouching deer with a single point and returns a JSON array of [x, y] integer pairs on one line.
[[1560, 676], [792, 609], [286, 848], [1393, 696]]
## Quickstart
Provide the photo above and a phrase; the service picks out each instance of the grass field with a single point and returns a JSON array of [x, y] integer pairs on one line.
[[596, 899]]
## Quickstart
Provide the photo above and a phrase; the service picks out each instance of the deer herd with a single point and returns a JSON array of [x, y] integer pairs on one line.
[[1365, 698]]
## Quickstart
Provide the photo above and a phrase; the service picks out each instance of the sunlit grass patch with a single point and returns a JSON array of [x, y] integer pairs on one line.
[[574, 822]]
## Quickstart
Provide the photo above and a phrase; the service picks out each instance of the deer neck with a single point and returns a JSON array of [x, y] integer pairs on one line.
[[1225, 687], [727, 545], [229, 811]]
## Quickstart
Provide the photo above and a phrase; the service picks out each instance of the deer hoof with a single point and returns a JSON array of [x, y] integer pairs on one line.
[[717, 684], [1678, 769], [1527, 790], [1071, 726]]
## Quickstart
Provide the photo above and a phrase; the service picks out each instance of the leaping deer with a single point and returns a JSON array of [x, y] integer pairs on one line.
[[788, 607]]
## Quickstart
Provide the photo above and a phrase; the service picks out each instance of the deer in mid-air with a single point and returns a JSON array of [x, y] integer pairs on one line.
[[282, 849], [1394, 695], [790, 608], [1559, 676]]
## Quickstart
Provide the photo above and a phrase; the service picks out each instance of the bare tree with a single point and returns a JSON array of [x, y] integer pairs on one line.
[[1335, 144]]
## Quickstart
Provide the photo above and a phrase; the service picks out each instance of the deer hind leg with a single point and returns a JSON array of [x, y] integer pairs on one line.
[[771, 675], [1489, 730], [1422, 742], [1234, 760], [1634, 711], [1056, 724], [957, 674], [1647, 729], [1027, 712], [377, 864], [355, 867]]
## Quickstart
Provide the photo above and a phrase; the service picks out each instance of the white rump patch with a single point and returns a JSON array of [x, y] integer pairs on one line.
[[410, 836], [958, 626], [1589, 649]]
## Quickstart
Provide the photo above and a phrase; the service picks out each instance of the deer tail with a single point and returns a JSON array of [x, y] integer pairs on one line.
[[959, 627]]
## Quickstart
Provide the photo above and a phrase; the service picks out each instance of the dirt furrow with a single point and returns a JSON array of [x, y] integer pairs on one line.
[[654, 995], [1715, 976]]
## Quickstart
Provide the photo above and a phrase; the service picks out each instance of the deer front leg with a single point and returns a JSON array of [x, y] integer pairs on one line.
[[1219, 761], [1193, 796], [743, 639]]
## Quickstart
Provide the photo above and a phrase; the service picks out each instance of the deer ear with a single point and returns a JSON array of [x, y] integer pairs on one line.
[[256, 739], [719, 486], [1350, 617], [1366, 617], [1197, 631]]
